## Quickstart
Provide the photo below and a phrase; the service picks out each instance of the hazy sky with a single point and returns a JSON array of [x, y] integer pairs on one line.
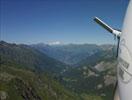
[[66, 21]]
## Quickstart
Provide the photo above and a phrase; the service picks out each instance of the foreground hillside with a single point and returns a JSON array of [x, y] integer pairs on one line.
[[21, 84]]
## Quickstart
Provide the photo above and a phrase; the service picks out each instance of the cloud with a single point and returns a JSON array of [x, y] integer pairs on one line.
[[55, 43]]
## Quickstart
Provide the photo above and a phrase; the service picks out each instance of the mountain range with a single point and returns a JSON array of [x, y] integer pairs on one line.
[[72, 54], [57, 72]]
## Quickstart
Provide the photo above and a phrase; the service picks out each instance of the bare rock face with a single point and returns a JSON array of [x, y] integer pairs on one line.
[[3, 95], [109, 80], [5, 77], [99, 86], [26, 91], [102, 66]]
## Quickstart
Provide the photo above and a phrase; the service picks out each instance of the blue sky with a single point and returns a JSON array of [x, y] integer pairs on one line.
[[65, 21]]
